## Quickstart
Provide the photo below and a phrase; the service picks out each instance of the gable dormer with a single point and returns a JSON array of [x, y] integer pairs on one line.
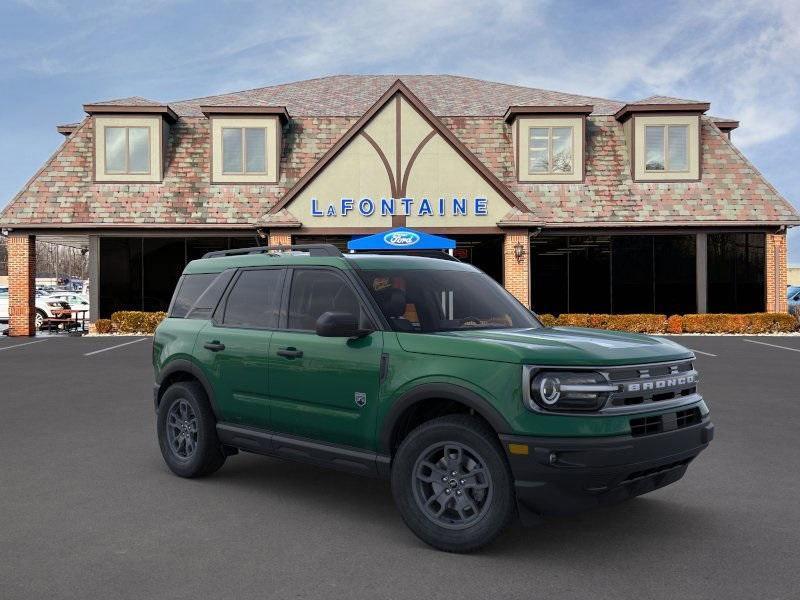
[[663, 138]]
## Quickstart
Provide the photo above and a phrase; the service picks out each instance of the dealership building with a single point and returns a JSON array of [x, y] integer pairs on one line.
[[573, 203]]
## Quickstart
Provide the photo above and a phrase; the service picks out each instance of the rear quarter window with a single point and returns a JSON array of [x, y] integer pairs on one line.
[[189, 290]]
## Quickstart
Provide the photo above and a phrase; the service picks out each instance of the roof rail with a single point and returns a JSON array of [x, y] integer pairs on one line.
[[312, 249]]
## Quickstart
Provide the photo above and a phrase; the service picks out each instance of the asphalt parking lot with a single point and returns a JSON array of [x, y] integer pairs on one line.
[[89, 510]]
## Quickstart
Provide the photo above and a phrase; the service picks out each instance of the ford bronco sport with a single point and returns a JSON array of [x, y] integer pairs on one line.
[[423, 371]]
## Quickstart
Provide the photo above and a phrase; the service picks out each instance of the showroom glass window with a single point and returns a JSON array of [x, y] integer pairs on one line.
[[614, 274], [736, 272], [666, 148], [127, 150], [141, 273], [550, 150], [244, 150]]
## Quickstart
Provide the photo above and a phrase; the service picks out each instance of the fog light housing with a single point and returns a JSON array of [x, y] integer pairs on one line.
[[569, 391]]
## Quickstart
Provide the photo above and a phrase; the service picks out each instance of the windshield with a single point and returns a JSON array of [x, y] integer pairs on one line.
[[429, 301]]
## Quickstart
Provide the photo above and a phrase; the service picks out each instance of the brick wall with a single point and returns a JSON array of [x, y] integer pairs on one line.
[[21, 284], [776, 273], [517, 274], [278, 237]]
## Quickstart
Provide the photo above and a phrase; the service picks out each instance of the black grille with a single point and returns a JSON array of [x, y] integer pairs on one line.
[[645, 384], [668, 422], [687, 417], [646, 426], [636, 475]]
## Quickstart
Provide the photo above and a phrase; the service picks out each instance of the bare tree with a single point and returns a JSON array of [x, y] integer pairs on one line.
[[52, 260]]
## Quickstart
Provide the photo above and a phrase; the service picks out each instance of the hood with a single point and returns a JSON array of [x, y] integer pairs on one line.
[[547, 346]]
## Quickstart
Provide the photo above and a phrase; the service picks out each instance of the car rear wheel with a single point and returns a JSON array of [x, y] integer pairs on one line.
[[187, 431], [452, 484]]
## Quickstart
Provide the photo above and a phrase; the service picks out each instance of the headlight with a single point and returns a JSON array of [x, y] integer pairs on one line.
[[58, 304], [569, 390]]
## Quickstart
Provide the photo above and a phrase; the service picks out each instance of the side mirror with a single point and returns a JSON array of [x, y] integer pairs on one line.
[[339, 324]]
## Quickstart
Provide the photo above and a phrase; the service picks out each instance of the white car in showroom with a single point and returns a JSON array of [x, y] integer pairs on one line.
[[47, 307]]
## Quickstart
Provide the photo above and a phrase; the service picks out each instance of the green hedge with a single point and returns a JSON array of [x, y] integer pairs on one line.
[[707, 323]]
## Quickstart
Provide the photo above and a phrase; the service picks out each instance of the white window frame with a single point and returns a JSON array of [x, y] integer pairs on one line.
[[127, 129], [550, 170], [243, 129], [665, 148]]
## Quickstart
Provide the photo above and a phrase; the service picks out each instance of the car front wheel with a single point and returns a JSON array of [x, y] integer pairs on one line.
[[452, 484]]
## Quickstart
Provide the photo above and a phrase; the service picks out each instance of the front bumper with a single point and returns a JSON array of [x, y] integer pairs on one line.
[[560, 476]]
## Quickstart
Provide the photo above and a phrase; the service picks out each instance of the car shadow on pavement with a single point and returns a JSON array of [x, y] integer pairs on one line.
[[641, 525]]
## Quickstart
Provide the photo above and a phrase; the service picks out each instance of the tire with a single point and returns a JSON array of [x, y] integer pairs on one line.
[[187, 432], [39, 318], [479, 505]]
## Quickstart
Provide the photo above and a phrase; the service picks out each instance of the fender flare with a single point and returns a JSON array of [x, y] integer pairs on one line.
[[187, 366], [445, 391]]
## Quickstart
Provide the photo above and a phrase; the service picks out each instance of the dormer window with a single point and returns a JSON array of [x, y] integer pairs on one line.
[[129, 140], [245, 143], [244, 150], [548, 142], [666, 148], [127, 150], [550, 150]]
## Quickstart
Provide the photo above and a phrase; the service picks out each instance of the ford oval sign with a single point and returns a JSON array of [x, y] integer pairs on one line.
[[401, 239]]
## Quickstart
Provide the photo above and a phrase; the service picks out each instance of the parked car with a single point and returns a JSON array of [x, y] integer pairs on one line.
[[47, 307], [75, 300], [3, 304], [423, 371], [793, 296]]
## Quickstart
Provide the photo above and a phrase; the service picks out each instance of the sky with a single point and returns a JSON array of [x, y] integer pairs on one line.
[[739, 55]]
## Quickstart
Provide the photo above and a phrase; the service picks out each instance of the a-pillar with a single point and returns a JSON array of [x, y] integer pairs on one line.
[[21, 284], [517, 265], [776, 273]]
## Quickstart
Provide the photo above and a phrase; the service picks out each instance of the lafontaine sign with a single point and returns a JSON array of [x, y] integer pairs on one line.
[[422, 207]]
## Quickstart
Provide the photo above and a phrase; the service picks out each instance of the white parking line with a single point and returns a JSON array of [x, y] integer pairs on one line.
[[701, 352], [114, 347], [772, 345], [20, 345]]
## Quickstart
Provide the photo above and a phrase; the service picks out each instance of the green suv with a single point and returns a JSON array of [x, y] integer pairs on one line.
[[424, 371]]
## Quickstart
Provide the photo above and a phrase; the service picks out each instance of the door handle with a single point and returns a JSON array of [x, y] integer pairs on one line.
[[290, 352], [214, 346]]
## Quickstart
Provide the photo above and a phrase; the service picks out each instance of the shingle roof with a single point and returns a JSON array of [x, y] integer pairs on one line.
[[130, 101], [665, 100], [352, 95], [63, 193]]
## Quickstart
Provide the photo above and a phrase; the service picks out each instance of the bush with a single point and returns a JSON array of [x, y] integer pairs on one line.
[[707, 323], [103, 326], [136, 321], [675, 324]]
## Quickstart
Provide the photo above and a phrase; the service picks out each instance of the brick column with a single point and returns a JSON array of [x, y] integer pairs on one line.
[[280, 237], [517, 273], [21, 284], [775, 273]]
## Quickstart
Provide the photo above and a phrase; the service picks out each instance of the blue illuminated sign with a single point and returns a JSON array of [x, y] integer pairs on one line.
[[423, 207], [401, 239]]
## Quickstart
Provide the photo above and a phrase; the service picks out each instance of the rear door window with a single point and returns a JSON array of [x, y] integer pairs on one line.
[[254, 300]]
